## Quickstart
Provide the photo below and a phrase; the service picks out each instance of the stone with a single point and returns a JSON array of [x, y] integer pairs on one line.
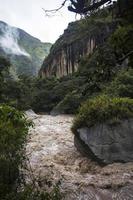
[[107, 143]]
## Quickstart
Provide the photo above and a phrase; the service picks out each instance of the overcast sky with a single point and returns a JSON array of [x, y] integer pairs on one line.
[[28, 15]]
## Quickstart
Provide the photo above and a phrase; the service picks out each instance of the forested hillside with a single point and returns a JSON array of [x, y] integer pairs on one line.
[[25, 52]]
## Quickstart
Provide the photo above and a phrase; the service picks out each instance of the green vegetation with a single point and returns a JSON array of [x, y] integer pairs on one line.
[[102, 109], [102, 88], [30, 192], [13, 132], [103, 71], [79, 32], [13, 136], [122, 85], [69, 104], [122, 44], [55, 94]]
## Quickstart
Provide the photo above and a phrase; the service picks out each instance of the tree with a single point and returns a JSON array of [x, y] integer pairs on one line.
[[4, 64], [85, 6], [4, 68], [80, 6]]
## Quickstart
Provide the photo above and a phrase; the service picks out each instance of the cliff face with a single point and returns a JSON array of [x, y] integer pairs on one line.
[[79, 40], [66, 60]]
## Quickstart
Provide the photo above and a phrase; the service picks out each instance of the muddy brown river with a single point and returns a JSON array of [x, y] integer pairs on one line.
[[52, 154]]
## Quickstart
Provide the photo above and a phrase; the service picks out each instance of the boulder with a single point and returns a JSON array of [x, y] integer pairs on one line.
[[107, 143]]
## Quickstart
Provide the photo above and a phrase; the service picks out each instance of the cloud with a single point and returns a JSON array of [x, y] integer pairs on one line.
[[9, 41], [28, 15]]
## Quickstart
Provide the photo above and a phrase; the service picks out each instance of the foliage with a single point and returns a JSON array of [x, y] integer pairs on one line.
[[98, 26], [122, 41], [122, 85], [4, 67], [30, 192], [69, 104], [63, 95], [18, 93], [13, 131], [102, 109], [102, 62], [51, 91], [4, 64], [44, 99]]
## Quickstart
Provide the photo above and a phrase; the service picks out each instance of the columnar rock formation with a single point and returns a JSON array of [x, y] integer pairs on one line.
[[79, 40], [67, 59]]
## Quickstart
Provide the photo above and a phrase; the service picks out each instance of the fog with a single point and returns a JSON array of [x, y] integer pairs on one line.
[[9, 41]]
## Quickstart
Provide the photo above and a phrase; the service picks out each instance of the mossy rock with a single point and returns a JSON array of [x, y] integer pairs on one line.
[[103, 109], [104, 129]]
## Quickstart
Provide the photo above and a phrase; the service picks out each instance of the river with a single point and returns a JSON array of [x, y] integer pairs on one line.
[[52, 154]]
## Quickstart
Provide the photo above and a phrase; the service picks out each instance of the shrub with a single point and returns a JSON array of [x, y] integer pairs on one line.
[[13, 131], [49, 92], [122, 85], [69, 104], [102, 109], [30, 192]]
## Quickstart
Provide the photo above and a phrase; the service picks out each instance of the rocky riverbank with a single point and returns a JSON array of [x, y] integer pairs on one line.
[[52, 154]]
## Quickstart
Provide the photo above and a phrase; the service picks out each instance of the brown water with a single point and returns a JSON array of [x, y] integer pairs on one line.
[[52, 154]]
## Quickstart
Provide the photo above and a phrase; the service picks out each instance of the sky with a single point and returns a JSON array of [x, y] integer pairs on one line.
[[29, 16]]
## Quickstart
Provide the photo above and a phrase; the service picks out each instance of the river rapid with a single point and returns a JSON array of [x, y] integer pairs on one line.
[[52, 155]]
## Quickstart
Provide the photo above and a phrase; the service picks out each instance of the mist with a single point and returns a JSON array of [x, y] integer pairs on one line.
[[9, 41]]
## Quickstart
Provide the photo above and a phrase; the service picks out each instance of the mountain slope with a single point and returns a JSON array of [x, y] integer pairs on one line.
[[26, 52]]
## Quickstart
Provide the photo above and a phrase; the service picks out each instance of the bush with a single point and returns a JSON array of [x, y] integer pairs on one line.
[[13, 131], [19, 93], [29, 192], [69, 104], [50, 92], [103, 109], [122, 85]]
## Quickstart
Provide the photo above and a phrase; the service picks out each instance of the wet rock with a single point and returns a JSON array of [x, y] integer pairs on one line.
[[107, 143]]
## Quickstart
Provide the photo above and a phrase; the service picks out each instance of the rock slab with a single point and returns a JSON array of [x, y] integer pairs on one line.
[[107, 143]]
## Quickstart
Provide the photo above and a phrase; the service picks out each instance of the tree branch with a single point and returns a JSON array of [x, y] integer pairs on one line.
[[125, 56], [53, 11], [78, 6]]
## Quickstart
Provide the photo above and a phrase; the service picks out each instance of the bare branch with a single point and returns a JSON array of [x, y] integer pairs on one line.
[[81, 7], [53, 11]]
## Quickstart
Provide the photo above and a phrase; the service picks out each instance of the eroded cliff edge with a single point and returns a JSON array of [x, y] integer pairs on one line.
[[78, 40]]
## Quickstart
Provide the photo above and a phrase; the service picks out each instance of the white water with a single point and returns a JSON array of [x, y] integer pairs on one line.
[[52, 154]]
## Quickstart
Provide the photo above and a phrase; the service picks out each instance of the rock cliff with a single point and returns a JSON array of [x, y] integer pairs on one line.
[[79, 40]]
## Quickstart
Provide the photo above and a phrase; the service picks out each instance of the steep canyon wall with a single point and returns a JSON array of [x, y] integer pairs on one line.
[[79, 40]]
